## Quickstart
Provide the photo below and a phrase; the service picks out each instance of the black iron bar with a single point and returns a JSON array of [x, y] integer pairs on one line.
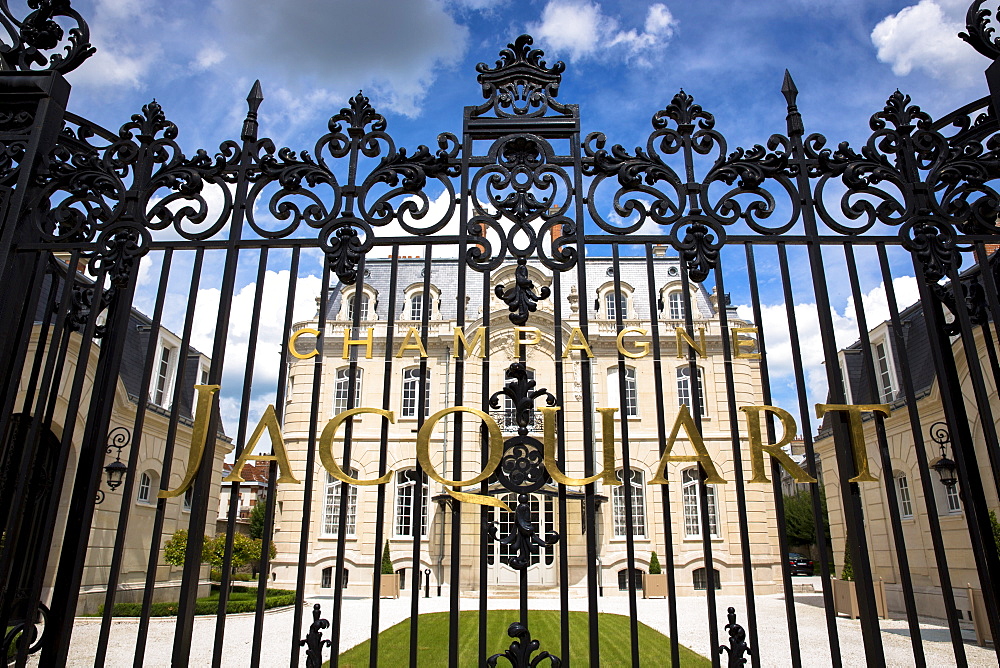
[[557, 328], [919, 449], [345, 491], [734, 432], [416, 514], [168, 459], [137, 430], [270, 500], [626, 477], [241, 434], [695, 393], [885, 458], [805, 420], [661, 434], [486, 547], [314, 410], [383, 458]]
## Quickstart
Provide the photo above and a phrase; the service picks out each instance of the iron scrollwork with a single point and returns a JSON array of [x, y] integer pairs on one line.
[[22, 631], [520, 651], [314, 642], [39, 32], [738, 647]]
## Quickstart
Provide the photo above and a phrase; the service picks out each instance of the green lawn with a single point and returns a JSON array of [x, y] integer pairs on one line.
[[432, 644]]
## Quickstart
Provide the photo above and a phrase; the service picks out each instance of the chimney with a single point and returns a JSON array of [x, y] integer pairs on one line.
[[660, 250]]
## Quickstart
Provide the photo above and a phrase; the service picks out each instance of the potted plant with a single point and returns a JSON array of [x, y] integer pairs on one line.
[[845, 593], [654, 584], [389, 583]]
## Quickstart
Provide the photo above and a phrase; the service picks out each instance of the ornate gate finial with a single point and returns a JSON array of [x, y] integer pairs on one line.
[[314, 640], [737, 642]]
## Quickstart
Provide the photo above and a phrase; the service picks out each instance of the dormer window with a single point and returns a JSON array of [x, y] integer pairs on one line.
[[364, 307], [162, 380], [416, 310], [675, 306], [611, 305], [883, 371]]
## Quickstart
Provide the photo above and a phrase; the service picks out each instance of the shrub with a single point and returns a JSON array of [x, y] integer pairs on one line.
[[209, 606], [654, 564], [386, 561], [847, 572]]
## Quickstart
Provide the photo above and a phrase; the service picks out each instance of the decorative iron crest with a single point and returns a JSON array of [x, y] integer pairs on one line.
[[313, 642], [738, 646], [520, 84], [979, 31], [524, 540], [39, 32], [521, 298], [520, 651]]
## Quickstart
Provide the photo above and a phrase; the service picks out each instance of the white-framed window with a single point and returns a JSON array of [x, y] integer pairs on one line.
[[162, 379], [675, 306], [692, 505], [341, 387], [415, 309], [903, 495], [631, 407], [684, 388], [954, 503], [188, 498], [411, 380], [611, 304], [406, 483], [638, 505], [331, 505], [145, 490], [883, 370], [542, 512], [365, 300]]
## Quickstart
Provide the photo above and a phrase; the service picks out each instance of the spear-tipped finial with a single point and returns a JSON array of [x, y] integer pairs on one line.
[[254, 98], [791, 93]]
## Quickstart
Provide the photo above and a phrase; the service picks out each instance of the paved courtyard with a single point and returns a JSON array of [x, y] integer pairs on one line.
[[691, 620]]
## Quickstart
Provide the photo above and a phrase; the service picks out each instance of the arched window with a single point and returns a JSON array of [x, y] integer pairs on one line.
[[411, 380], [638, 505], [416, 306], [903, 495], [700, 578], [623, 579], [146, 486], [341, 387], [692, 505], [675, 306], [631, 408], [684, 388], [364, 306], [331, 506], [406, 482]]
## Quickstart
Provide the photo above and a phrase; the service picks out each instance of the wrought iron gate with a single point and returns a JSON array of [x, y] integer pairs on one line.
[[524, 294]]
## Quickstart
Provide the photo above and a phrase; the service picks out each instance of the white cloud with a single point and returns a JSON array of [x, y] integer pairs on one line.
[[394, 52], [845, 325], [208, 57], [924, 37], [581, 30]]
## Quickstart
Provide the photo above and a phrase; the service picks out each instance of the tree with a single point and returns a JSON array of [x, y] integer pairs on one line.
[[996, 528], [175, 549], [246, 550], [654, 564], [847, 572], [257, 521], [799, 525], [386, 561]]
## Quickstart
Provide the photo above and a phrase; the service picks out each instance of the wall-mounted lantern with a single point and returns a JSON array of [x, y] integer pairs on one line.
[[944, 466], [118, 439]]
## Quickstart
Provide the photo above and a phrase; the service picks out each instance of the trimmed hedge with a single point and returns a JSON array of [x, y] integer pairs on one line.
[[242, 599], [216, 576]]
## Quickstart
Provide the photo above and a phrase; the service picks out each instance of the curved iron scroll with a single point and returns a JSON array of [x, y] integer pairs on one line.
[[520, 651]]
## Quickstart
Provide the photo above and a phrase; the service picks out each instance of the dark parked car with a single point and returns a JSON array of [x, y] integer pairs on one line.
[[799, 565]]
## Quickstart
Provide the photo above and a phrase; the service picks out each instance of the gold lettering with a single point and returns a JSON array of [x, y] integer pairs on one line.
[[417, 344], [269, 421], [607, 473], [535, 339], [684, 420], [495, 453], [643, 346], [199, 433], [739, 344], [366, 342], [461, 342], [571, 345], [854, 412], [684, 337], [294, 337], [757, 447], [326, 445]]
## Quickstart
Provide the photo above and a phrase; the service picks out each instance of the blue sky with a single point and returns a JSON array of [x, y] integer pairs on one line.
[[625, 60]]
